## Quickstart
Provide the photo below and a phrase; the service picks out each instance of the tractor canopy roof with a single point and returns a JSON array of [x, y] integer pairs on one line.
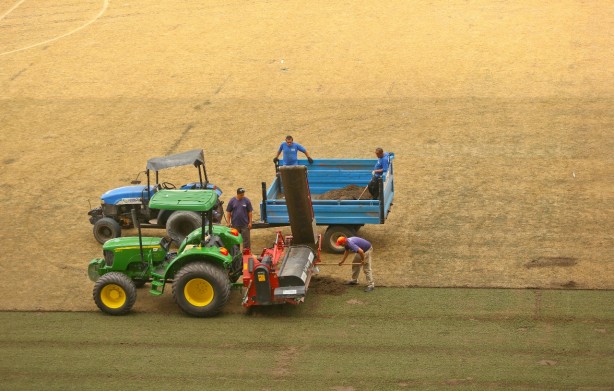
[[194, 157], [195, 200]]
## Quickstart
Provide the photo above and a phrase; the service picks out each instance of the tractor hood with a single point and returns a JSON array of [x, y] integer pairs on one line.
[[129, 243], [194, 200], [125, 195]]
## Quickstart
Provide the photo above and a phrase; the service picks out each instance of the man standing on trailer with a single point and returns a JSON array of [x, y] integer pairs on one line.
[[291, 150], [363, 250], [381, 168], [239, 215]]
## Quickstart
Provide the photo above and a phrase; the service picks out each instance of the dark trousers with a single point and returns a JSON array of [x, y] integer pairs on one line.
[[374, 187], [244, 231]]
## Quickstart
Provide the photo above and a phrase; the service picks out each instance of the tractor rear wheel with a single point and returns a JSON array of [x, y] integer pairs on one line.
[[332, 234], [201, 289], [180, 224], [114, 293], [106, 228]]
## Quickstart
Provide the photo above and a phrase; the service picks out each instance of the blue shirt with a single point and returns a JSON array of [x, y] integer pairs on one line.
[[354, 243], [382, 164], [239, 211], [291, 152]]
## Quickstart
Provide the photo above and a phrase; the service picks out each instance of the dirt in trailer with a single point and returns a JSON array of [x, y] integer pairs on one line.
[[349, 192]]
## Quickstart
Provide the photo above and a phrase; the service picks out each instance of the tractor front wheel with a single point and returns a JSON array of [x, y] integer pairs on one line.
[[106, 228], [114, 293], [201, 289]]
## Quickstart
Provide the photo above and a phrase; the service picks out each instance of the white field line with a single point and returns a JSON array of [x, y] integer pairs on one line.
[[11, 9], [105, 5]]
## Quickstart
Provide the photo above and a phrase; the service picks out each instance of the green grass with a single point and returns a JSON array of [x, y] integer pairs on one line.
[[394, 338]]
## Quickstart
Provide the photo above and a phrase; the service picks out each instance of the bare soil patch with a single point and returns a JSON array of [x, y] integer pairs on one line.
[[551, 262]]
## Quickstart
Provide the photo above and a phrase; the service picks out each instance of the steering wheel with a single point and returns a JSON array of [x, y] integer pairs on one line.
[[167, 186]]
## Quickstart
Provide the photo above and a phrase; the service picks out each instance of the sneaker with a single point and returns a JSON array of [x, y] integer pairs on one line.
[[369, 288], [351, 282]]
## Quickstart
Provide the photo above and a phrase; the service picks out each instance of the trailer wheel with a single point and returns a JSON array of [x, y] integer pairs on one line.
[[181, 224], [106, 228], [201, 289], [332, 234], [114, 293]]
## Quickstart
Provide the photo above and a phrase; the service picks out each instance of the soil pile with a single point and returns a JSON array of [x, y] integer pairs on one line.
[[350, 192], [325, 285]]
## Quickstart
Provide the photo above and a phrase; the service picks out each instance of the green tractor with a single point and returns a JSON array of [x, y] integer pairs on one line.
[[201, 270]]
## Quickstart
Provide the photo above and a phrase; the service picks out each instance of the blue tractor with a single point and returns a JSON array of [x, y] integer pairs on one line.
[[115, 211]]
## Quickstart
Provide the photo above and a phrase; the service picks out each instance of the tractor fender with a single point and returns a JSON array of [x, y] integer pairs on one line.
[[210, 255]]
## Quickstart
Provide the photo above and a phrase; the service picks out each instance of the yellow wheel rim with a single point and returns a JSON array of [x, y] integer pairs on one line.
[[198, 292], [113, 296]]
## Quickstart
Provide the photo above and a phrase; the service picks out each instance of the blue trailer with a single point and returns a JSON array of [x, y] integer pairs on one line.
[[343, 217]]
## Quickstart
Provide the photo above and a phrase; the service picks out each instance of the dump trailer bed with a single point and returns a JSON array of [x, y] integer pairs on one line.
[[342, 216]]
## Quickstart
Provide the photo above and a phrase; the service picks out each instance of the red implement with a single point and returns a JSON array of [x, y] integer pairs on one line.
[[281, 274]]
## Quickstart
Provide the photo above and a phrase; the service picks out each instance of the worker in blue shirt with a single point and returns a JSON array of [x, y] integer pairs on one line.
[[291, 150], [363, 250], [381, 168]]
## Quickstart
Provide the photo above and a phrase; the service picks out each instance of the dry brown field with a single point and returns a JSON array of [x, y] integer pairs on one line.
[[500, 114]]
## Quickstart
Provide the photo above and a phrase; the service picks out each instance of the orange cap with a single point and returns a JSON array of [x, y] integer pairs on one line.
[[341, 241]]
